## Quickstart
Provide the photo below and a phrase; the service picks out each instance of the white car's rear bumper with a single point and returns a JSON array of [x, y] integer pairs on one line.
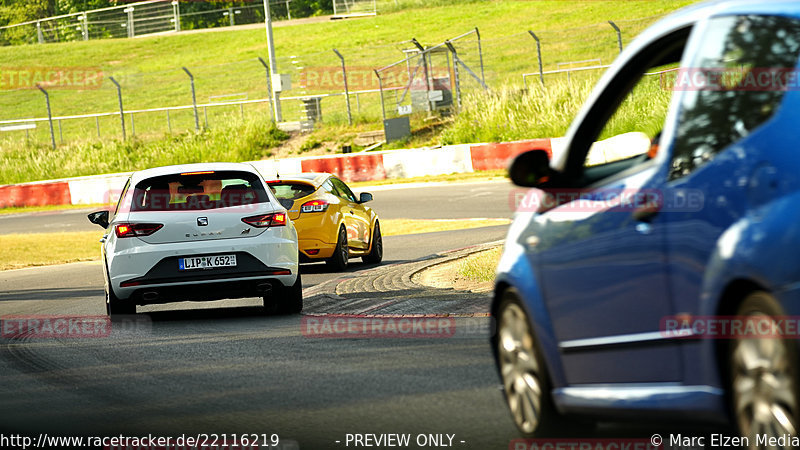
[[148, 273]]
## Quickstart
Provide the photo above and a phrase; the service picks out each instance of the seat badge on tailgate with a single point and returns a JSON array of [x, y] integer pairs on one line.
[[202, 221]]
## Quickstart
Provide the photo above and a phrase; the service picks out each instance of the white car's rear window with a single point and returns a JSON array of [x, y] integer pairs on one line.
[[198, 191]]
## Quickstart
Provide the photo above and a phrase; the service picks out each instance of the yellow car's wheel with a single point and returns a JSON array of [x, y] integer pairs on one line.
[[375, 254], [341, 255]]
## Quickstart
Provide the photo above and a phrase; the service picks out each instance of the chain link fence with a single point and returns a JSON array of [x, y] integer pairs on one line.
[[414, 77], [139, 19]]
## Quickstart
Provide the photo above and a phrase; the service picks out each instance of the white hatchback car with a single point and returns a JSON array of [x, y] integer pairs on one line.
[[199, 232]]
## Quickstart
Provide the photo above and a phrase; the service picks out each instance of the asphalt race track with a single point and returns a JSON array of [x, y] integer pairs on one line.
[[190, 369], [221, 367], [411, 201]]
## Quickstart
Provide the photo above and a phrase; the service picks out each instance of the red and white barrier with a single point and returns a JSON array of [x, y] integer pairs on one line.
[[370, 166], [427, 162], [35, 194], [353, 167]]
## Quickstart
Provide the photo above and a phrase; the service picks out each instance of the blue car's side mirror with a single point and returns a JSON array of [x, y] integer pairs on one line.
[[530, 169]]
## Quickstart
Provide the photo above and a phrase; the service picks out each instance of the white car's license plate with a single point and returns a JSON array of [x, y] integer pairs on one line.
[[206, 262]]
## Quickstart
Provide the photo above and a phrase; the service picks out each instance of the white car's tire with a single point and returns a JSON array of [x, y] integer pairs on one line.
[[286, 299]]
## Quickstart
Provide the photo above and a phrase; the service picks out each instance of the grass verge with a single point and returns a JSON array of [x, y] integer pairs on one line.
[[51, 208], [480, 267], [395, 227], [484, 175], [236, 141], [41, 249]]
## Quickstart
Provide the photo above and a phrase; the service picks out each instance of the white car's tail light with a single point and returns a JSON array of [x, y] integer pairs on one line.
[[314, 206], [266, 220], [124, 230]]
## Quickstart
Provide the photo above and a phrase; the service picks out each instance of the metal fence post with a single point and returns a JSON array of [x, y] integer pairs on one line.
[[380, 88], [39, 34], [121, 111], [425, 68], [97, 124], [273, 63], [480, 54], [176, 14], [288, 11], [49, 115], [85, 26], [194, 100], [619, 34], [169, 123], [269, 88], [133, 125], [60, 133], [129, 10], [538, 55], [457, 61], [455, 73], [346, 90]]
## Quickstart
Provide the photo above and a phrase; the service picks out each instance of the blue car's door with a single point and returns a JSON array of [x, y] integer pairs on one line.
[[601, 258], [604, 278], [722, 138]]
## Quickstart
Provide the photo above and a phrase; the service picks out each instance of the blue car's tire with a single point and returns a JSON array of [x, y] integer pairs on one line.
[[523, 372], [764, 374]]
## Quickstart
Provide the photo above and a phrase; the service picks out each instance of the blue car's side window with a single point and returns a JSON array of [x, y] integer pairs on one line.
[[734, 84]]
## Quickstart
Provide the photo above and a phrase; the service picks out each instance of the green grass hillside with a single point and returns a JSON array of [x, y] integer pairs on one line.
[[224, 63]]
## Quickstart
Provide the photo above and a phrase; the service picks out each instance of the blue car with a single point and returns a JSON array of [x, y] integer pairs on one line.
[[652, 270]]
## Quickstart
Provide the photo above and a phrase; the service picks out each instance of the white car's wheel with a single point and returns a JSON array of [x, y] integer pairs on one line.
[[285, 300], [115, 306]]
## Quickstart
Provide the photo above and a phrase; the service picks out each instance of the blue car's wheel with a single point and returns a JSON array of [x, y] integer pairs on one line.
[[763, 374], [522, 369]]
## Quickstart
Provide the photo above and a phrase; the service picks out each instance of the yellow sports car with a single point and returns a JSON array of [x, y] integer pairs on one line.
[[332, 224]]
